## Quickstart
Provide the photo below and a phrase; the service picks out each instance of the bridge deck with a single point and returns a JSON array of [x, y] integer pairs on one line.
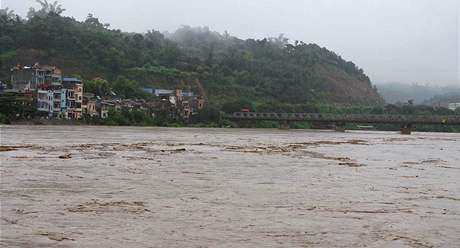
[[348, 118]]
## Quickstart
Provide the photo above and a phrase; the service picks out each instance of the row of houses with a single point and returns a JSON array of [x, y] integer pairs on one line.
[[177, 104], [56, 96], [60, 97], [64, 101]]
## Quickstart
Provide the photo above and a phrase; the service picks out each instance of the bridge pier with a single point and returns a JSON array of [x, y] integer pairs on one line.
[[285, 125], [406, 129], [236, 124], [339, 127]]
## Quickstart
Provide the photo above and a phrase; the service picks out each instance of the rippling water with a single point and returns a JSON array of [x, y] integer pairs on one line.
[[159, 187]]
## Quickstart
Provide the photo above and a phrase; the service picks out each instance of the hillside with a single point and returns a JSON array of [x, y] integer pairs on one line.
[[259, 71]]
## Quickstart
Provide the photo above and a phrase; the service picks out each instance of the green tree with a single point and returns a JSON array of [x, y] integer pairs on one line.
[[46, 9], [99, 87], [210, 114], [127, 88], [237, 105], [7, 14]]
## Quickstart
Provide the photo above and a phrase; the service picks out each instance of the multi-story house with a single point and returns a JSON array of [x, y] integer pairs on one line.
[[96, 107], [56, 97], [64, 104], [31, 78], [53, 103], [89, 105], [45, 102], [74, 89], [61, 104]]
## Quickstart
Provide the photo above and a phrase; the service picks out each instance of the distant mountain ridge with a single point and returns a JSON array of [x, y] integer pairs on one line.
[[420, 94]]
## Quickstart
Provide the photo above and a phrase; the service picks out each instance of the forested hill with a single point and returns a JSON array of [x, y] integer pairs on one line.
[[259, 71]]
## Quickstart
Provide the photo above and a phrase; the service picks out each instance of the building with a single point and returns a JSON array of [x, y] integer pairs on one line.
[[65, 106], [187, 94], [52, 98], [56, 97], [61, 104], [91, 109], [178, 104], [95, 106], [163, 92], [89, 104], [53, 103], [104, 112], [200, 103], [74, 88], [3, 87], [45, 102], [454, 106], [102, 108], [148, 90], [30, 78]]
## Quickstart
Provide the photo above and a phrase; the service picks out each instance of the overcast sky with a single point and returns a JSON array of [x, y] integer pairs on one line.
[[392, 40]]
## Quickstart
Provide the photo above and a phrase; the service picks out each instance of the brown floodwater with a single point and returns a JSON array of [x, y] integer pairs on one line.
[[70, 186]]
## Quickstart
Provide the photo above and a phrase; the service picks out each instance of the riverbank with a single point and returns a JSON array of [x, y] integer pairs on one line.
[[227, 124]]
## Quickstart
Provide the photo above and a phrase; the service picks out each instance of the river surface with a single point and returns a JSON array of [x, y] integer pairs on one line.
[[69, 186]]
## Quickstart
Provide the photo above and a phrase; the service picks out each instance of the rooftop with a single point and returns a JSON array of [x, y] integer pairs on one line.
[[70, 79], [36, 66]]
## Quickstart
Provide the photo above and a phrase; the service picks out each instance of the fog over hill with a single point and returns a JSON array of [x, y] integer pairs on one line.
[[420, 94], [392, 40]]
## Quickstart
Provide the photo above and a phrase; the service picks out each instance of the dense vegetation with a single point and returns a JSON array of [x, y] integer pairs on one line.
[[261, 71]]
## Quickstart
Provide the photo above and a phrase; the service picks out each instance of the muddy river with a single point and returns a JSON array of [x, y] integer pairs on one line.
[[159, 187]]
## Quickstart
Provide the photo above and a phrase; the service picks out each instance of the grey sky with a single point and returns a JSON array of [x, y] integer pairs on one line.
[[392, 40]]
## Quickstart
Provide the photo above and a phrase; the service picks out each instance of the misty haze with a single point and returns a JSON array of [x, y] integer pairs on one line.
[[229, 123]]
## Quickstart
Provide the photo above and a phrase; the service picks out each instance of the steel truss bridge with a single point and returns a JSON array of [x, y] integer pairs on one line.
[[340, 120]]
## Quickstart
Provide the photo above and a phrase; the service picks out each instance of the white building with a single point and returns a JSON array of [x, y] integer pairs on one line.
[[454, 106], [45, 102]]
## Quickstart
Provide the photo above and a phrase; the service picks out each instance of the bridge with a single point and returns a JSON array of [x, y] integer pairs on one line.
[[407, 122]]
